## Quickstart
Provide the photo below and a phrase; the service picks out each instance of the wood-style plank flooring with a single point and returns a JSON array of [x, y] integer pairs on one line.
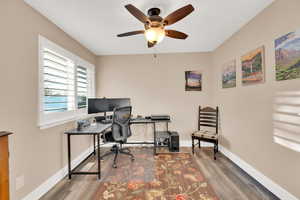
[[228, 181]]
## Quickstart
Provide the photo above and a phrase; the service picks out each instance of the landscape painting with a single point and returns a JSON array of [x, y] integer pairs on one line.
[[229, 75], [193, 81], [287, 52], [253, 67]]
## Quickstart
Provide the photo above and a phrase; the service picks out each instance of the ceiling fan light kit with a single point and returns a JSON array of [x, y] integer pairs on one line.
[[155, 35], [155, 25]]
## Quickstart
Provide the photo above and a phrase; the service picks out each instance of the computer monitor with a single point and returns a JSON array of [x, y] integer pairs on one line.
[[97, 105], [117, 102], [102, 105]]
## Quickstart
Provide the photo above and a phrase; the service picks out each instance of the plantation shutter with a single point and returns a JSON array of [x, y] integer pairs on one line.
[[58, 80], [66, 81], [82, 87]]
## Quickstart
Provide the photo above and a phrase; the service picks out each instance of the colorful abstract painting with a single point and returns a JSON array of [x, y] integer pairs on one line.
[[193, 81], [253, 67], [229, 75], [288, 56]]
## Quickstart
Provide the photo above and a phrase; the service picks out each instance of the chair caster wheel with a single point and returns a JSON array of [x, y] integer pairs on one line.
[[114, 166]]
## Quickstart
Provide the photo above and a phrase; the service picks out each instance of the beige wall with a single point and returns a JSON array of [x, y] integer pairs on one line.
[[246, 111], [36, 154], [157, 85]]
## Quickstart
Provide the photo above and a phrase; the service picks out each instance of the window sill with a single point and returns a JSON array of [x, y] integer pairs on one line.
[[55, 123]]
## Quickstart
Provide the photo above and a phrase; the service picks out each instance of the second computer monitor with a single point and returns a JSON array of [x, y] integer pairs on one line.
[[99, 105]]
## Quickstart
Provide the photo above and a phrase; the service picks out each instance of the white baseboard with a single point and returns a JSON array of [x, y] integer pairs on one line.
[[58, 176], [188, 143], [257, 175]]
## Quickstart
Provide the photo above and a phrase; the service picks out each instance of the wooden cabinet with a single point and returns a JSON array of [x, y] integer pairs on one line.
[[4, 168]]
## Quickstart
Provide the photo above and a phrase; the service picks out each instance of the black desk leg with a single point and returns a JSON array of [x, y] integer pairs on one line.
[[69, 156], [98, 156], [167, 126], [154, 134], [94, 136]]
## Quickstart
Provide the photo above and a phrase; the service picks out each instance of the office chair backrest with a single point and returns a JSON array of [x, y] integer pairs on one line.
[[120, 127], [208, 117]]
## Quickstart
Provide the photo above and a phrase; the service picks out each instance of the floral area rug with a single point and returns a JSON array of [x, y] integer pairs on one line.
[[142, 169], [176, 177]]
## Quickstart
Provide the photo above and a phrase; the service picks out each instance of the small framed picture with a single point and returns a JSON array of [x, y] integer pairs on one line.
[[193, 81]]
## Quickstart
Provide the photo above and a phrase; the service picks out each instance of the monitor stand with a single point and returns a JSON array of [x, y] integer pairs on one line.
[[106, 120]]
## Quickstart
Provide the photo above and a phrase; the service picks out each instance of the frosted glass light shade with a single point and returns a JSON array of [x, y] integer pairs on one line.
[[155, 34]]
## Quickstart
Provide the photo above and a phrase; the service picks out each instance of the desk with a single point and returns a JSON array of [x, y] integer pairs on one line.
[[94, 130], [153, 122]]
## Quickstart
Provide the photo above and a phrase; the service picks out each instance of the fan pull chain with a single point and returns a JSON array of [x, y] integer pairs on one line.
[[155, 52]]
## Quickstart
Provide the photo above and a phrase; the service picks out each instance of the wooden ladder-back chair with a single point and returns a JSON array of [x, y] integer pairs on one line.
[[208, 117]]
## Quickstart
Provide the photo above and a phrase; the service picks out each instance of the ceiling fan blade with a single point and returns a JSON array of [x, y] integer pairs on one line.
[[178, 14], [131, 33], [151, 44], [137, 13], [176, 34]]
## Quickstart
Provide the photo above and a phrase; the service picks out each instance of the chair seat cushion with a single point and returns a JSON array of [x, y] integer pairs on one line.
[[206, 135]]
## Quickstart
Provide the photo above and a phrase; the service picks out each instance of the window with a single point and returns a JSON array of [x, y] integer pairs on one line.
[[58, 73], [66, 82]]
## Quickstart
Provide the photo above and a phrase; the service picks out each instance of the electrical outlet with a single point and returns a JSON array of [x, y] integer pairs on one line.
[[20, 181]]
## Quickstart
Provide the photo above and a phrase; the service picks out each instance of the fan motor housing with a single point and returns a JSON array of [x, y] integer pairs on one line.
[[154, 17], [153, 12]]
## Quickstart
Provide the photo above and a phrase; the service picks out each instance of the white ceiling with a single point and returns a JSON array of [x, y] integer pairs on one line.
[[95, 23]]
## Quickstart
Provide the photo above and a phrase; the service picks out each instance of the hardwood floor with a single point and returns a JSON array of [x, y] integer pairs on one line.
[[228, 181]]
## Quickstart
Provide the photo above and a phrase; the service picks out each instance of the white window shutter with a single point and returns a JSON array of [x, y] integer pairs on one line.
[[65, 83]]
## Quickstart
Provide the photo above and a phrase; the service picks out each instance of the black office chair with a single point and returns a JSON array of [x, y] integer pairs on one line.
[[119, 133]]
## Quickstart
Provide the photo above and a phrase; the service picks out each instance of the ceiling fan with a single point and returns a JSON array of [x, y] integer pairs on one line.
[[155, 25]]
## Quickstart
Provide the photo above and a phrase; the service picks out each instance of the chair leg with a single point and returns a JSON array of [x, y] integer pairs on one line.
[[115, 158], [116, 150], [193, 145], [215, 150], [127, 149], [128, 154], [199, 143], [107, 154]]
